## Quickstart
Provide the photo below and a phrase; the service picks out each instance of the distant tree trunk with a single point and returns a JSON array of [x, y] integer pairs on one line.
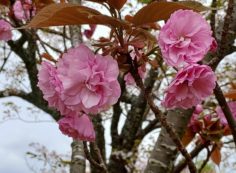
[[77, 156]]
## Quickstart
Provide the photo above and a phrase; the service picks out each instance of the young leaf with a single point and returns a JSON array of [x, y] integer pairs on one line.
[[194, 5], [117, 4], [188, 136], [216, 156], [98, 1], [42, 3], [71, 14], [5, 2], [231, 94], [162, 10], [48, 57]]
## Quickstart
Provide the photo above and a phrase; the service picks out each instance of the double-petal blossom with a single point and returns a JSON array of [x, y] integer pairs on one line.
[[190, 86], [89, 81], [185, 38]]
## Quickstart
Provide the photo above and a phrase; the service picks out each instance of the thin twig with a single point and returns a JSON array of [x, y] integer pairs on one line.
[[64, 39], [154, 124], [5, 61], [91, 160], [50, 31], [99, 156], [182, 164], [226, 110], [207, 159]]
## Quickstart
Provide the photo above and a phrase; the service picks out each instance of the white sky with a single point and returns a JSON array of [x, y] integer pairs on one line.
[[16, 135]]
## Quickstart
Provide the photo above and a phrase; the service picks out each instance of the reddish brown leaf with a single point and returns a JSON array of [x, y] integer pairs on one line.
[[117, 4], [129, 18], [144, 36], [98, 1], [233, 85], [71, 14], [48, 57], [162, 11], [216, 156], [188, 136], [194, 5], [42, 3], [227, 131], [5, 2], [231, 94]]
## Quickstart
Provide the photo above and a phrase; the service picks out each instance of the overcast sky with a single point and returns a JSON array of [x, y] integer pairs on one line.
[[16, 135]]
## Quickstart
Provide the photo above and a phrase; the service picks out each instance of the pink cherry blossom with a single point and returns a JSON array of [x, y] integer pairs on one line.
[[89, 81], [78, 127], [5, 31], [232, 106], [185, 38], [51, 87], [23, 9], [190, 86]]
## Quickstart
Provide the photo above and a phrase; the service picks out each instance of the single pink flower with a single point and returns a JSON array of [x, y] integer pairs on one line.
[[232, 106], [190, 86], [5, 31], [78, 127], [51, 87], [89, 81], [24, 9], [185, 38]]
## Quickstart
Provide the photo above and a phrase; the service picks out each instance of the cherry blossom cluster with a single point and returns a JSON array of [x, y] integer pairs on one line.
[[21, 10], [184, 41], [81, 84]]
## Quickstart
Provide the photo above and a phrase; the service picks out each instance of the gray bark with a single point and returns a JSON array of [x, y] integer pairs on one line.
[[165, 152], [126, 142], [100, 141]]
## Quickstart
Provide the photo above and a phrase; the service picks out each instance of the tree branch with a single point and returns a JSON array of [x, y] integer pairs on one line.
[[226, 110], [182, 164], [91, 160], [227, 35]]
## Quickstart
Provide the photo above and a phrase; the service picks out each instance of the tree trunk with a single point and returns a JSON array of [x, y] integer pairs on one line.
[[165, 152]]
